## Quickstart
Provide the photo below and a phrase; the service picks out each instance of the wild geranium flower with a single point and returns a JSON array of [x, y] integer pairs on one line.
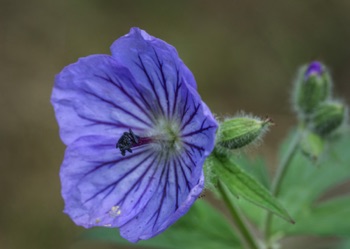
[[137, 135]]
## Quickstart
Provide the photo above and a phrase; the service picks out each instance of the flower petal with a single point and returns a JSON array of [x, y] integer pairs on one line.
[[97, 96], [154, 64], [143, 193], [160, 213], [198, 126], [102, 188]]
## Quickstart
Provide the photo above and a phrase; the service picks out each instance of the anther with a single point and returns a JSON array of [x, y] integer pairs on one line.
[[126, 142]]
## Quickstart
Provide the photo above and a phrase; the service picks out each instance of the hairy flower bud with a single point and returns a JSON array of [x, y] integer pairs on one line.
[[313, 86], [327, 118], [238, 132]]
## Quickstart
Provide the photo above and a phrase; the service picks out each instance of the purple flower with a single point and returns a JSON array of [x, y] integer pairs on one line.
[[137, 135], [314, 68]]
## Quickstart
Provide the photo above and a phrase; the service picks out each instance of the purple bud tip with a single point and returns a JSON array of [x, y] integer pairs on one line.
[[314, 67]]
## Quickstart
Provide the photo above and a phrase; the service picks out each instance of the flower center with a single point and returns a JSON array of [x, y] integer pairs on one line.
[[164, 137]]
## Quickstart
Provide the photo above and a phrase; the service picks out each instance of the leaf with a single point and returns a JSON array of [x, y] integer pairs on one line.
[[201, 228], [257, 169], [303, 185], [326, 219], [344, 244], [243, 185]]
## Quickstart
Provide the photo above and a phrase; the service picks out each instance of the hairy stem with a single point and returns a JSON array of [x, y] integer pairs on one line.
[[278, 179], [245, 232]]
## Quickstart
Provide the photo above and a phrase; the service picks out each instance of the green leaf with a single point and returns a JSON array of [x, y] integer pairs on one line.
[[201, 228], [344, 244], [241, 184], [326, 219], [257, 169], [303, 185]]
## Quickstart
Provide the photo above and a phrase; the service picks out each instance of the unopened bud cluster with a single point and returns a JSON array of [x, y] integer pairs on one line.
[[313, 100], [327, 117], [318, 111], [238, 132], [313, 87]]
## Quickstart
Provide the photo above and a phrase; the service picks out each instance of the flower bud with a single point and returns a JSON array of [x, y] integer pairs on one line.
[[238, 132], [312, 145], [313, 86], [327, 118]]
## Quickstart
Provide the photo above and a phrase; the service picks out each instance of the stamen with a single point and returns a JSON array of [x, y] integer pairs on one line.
[[129, 140], [164, 137]]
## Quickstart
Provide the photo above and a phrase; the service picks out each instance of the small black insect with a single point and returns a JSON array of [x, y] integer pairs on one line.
[[127, 141], [202, 195]]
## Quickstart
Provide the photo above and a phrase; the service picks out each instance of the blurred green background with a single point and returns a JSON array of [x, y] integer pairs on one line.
[[244, 55]]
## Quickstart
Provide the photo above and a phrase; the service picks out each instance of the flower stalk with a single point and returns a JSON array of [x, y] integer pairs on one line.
[[237, 217], [280, 174]]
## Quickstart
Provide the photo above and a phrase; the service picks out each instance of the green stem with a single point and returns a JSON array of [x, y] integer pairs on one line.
[[282, 169], [278, 179], [248, 237]]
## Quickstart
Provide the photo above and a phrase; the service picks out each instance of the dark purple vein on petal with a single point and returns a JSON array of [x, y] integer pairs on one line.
[[184, 173], [138, 181], [118, 107], [150, 81], [117, 124], [127, 175], [188, 153], [114, 162], [187, 182], [184, 163], [149, 183], [158, 185], [162, 81], [115, 183], [193, 146], [177, 88], [177, 186], [141, 95], [189, 165], [185, 108], [190, 118], [157, 213], [146, 102], [122, 89], [200, 130]]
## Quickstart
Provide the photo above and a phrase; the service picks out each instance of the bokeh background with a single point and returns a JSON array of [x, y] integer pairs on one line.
[[244, 55]]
